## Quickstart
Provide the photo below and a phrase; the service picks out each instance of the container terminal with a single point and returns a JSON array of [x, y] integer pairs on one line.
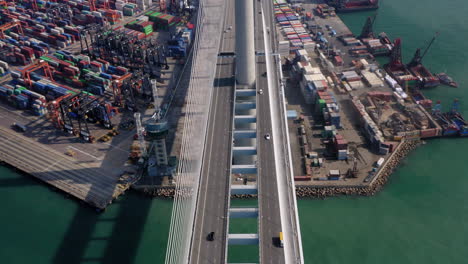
[[89, 91], [92, 95], [350, 119]]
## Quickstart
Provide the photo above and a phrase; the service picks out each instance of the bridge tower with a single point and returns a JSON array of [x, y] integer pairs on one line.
[[245, 49]]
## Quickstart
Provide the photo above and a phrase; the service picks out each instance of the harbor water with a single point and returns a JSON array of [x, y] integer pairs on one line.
[[44, 227], [420, 216]]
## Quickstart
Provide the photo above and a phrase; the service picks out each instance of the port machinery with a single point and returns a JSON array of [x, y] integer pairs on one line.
[[398, 70], [80, 107], [417, 68], [10, 25], [39, 65], [452, 122], [67, 111], [367, 30]]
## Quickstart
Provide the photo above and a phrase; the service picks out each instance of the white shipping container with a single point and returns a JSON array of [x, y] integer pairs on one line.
[[143, 18], [391, 81], [356, 85], [96, 14], [4, 65], [330, 81], [317, 77], [61, 44], [54, 32], [61, 30], [380, 162]]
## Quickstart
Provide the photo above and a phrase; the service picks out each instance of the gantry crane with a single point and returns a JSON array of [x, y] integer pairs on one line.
[[26, 71], [92, 5], [117, 88], [54, 111], [162, 5], [10, 25], [67, 105]]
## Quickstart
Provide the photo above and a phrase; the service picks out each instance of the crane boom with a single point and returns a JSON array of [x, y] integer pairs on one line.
[[367, 30], [417, 58], [430, 44], [141, 137]]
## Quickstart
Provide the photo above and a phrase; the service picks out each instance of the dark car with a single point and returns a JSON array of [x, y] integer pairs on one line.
[[210, 236]]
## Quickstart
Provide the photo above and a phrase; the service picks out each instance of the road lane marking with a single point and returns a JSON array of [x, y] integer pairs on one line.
[[83, 152]]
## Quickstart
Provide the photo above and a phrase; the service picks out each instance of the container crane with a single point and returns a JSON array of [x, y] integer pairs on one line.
[[10, 25], [157, 110], [162, 5], [427, 79], [26, 71], [417, 58], [53, 108], [367, 31], [92, 5], [116, 88], [88, 104], [141, 137], [395, 56], [105, 4], [65, 105]]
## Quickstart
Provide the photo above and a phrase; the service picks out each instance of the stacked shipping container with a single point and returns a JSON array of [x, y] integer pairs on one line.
[[292, 28]]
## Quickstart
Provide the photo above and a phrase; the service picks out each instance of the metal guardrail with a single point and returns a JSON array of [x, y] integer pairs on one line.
[[195, 129], [288, 162], [226, 228], [286, 150]]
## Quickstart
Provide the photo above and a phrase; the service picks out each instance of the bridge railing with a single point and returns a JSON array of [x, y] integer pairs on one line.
[[199, 93]]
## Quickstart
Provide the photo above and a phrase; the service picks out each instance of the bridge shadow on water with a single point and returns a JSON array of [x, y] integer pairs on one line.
[[110, 237]]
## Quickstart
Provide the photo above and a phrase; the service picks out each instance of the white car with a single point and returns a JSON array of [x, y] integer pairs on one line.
[[267, 137], [260, 91]]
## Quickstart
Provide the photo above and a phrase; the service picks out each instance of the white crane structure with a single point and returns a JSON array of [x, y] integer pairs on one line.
[[141, 137]]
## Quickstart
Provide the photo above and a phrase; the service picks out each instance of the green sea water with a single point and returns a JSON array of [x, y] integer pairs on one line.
[[420, 217], [43, 227]]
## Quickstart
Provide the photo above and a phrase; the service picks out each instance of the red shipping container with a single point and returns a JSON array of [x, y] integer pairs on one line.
[[302, 178], [61, 38], [63, 64], [338, 137], [338, 61], [38, 53], [428, 133], [51, 40], [82, 64], [103, 61]]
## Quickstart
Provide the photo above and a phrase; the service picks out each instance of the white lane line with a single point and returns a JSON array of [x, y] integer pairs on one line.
[[83, 152]]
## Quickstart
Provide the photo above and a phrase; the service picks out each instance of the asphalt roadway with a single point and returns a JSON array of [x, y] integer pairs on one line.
[[212, 204], [270, 220]]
